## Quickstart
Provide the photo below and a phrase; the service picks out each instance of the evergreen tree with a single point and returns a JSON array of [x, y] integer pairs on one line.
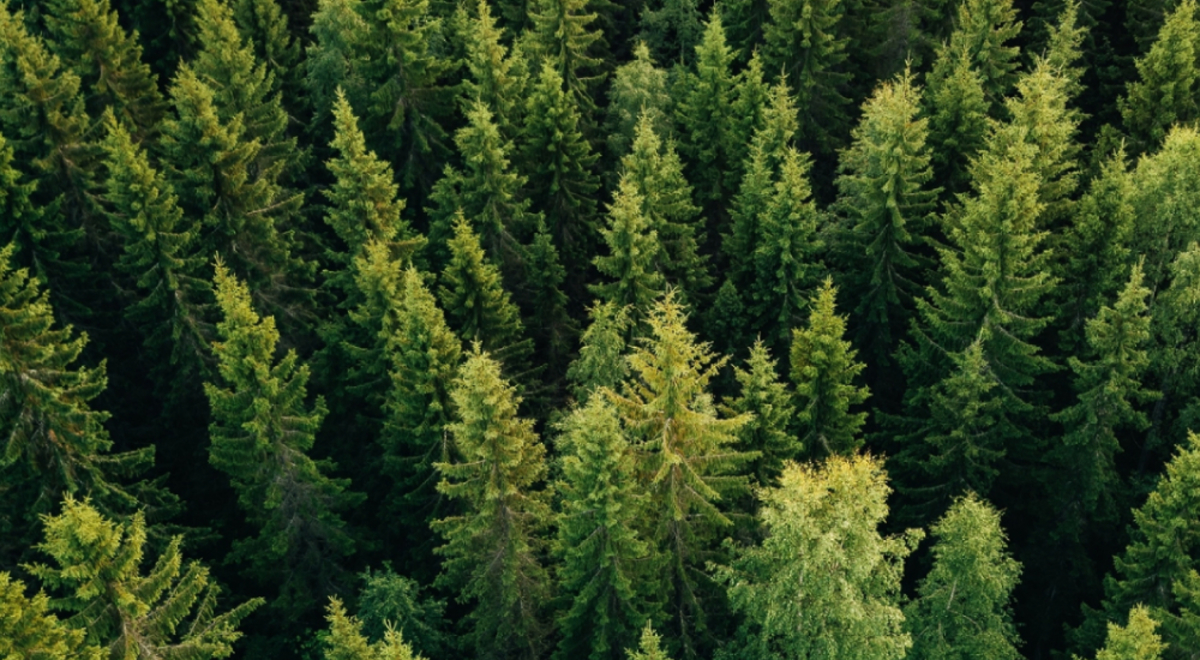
[[884, 194], [634, 253], [336, 57], [97, 569], [562, 38], [492, 548], [824, 583], [705, 116], [686, 458], [750, 101], [478, 306], [1136, 641], [87, 35], [499, 78], [388, 600], [605, 574], [671, 29], [785, 263], [747, 24], [649, 646], [1165, 92], [638, 88], [264, 26], [962, 610], [768, 433], [560, 164], [958, 108], [160, 256], [655, 171], [804, 40], [29, 630], [345, 640], [983, 30], [601, 361], [552, 329], [261, 432], [823, 370]]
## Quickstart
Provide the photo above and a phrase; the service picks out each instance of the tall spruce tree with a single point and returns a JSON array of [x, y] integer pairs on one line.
[[601, 361], [262, 430], [958, 108], [649, 646], [607, 570], [962, 609], [97, 572], [824, 368], [769, 432], [638, 87], [264, 26], [499, 75], [687, 460], [705, 116], [634, 253], [1165, 92], [824, 583], [562, 37], [983, 30], [885, 194], [492, 550], [335, 58]]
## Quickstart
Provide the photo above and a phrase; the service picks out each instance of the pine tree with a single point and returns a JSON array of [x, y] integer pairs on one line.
[[404, 77], [388, 600], [885, 195], [1165, 92], [634, 253], [657, 174], [29, 630], [261, 432], [477, 305], [983, 28], [160, 255], [1109, 385], [264, 26], [1136, 641], [553, 331], [747, 21], [823, 369], [1163, 185], [561, 168], [601, 361], [335, 58], [638, 88], [705, 117], [824, 583], [106, 58], [804, 40], [785, 263], [768, 433], [687, 458], [562, 38], [958, 108], [499, 78], [962, 609], [671, 29], [750, 102], [649, 646], [97, 570], [345, 640], [492, 549], [606, 572]]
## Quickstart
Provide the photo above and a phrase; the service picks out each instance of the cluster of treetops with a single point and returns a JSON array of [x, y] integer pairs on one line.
[[771, 329]]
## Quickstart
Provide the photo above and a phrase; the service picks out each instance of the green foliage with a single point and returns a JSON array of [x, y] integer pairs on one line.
[[768, 433], [649, 646], [1136, 641], [1165, 92], [958, 108], [638, 88], [983, 29], [606, 571], [562, 38], [29, 630], [824, 583], [601, 361], [390, 601], [962, 608], [671, 29], [261, 431], [346, 642], [634, 257], [492, 548], [265, 28], [705, 116], [97, 570], [499, 78], [335, 58]]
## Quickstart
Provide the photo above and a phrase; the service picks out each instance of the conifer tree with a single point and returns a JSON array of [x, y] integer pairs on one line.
[[601, 361], [408, 99], [747, 23], [824, 368], [638, 87], [552, 329], [1136, 641], [107, 59], [492, 548], [246, 213], [671, 29], [388, 600], [687, 460], [561, 36], [1163, 555], [264, 26], [649, 646], [824, 583], [657, 174], [423, 356], [705, 117], [1165, 92], [29, 630], [335, 58], [1109, 386], [750, 102], [983, 29], [884, 193], [634, 253], [958, 108], [499, 77], [560, 164], [1163, 189], [345, 640], [97, 570], [785, 262], [769, 432], [160, 255], [804, 40], [261, 431], [606, 573], [962, 609]]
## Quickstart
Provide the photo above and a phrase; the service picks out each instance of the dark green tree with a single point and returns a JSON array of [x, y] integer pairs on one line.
[[983, 31], [958, 108], [492, 548], [1165, 92], [264, 26], [336, 58], [638, 87], [671, 29], [769, 432], [562, 37], [499, 75], [634, 253], [705, 116], [601, 361]]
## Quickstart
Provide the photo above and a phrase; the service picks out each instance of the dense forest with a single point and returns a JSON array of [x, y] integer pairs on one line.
[[600, 329]]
